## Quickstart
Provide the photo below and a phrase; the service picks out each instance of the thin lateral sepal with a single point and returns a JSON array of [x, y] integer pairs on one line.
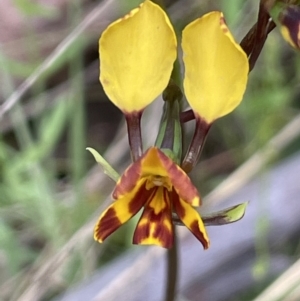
[[219, 218]]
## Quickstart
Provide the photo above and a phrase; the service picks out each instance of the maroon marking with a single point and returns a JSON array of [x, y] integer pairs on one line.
[[163, 234], [161, 231], [140, 233], [179, 179], [177, 206], [107, 225], [194, 228], [199, 235], [140, 199], [105, 81], [223, 25], [128, 180]]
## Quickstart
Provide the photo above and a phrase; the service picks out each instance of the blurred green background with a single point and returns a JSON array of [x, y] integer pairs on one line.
[[50, 186]]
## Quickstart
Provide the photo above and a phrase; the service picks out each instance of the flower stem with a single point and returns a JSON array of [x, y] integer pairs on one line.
[[195, 148], [134, 134], [255, 39], [172, 272], [187, 116]]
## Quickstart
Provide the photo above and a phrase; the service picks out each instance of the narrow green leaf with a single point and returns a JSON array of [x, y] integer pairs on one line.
[[107, 168]]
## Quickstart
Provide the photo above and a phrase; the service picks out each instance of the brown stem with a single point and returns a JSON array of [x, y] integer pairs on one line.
[[134, 134], [187, 116], [261, 34], [255, 39], [172, 272], [195, 148], [247, 42]]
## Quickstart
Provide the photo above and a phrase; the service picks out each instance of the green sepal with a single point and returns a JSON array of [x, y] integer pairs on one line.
[[169, 138], [226, 216], [169, 153], [223, 217]]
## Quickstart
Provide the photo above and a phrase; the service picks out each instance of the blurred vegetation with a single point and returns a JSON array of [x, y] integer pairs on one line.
[[45, 167]]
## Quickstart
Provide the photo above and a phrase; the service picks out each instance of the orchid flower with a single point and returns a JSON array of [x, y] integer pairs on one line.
[[137, 53]]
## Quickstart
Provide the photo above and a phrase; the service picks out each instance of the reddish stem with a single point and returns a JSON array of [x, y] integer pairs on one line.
[[134, 134], [255, 39], [187, 116], [193, 154]]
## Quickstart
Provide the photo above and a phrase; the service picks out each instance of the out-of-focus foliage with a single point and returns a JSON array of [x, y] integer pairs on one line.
[[44, 165]]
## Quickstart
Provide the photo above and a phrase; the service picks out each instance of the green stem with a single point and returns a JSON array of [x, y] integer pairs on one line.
[[172, 271], [169, 138]]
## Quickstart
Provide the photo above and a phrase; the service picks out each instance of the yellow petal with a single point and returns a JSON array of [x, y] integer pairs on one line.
[[216, 67], [137, 54], [121, 211], [151, 163], [192, 220], [148, 165], [156, 163], [128, 180], [155, 226]]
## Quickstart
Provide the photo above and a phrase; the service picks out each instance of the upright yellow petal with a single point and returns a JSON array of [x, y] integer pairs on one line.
[[137, 54], [216, 67], [155, 162], [151, 163]]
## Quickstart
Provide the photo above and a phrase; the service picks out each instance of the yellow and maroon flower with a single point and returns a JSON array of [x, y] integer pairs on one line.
[[137, 54], [156, 183]]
